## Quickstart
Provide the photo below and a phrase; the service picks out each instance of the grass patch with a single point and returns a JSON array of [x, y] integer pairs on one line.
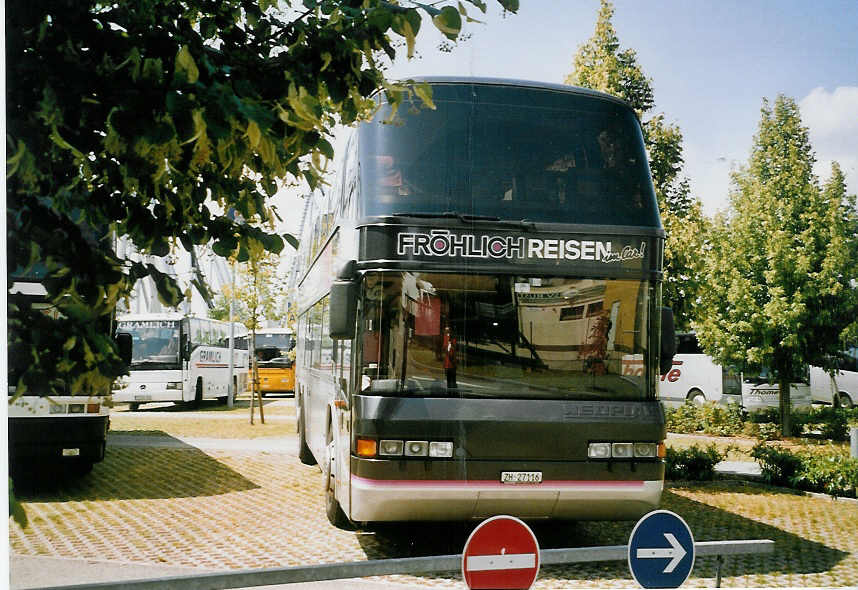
[[230, 428], [280, 406], [733, 449]]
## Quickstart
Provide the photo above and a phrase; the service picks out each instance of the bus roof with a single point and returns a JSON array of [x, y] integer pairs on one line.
[[141, 317], [522, 84], [279, 330]]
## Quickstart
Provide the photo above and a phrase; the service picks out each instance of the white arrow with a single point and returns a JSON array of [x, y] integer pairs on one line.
[[675, 553]]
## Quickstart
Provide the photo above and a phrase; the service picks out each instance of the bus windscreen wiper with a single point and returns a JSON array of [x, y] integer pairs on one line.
[[464, 217], [467, 218]]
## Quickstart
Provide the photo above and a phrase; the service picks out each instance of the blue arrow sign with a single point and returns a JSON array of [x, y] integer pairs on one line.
[[661, 550]]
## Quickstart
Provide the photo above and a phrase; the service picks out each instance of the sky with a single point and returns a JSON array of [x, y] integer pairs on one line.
[[711, 64]]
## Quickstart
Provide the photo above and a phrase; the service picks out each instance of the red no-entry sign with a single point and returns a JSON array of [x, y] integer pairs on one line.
[[502, 552]]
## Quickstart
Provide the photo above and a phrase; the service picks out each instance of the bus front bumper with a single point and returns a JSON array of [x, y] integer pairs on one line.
[[400, 500]]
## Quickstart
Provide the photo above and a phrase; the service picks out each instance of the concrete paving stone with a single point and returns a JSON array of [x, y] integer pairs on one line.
[[186, 505]]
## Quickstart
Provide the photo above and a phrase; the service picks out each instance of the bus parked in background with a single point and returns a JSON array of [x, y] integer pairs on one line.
[[470, 291], [176, 358], [695, 377], [844, 383], [49, 429], [274, 360]]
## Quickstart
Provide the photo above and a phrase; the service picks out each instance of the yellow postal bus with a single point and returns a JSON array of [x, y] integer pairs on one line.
[[274, 360]]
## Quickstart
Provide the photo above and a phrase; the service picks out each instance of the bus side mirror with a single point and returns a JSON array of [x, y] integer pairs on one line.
[[342, 310], [668, 341], [125, 344]]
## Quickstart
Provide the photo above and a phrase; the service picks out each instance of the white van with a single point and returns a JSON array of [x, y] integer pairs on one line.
[[759, 393], [696, 378], [845, 380]]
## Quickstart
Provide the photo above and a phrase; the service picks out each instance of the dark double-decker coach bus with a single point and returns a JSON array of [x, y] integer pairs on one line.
[[480, 321]]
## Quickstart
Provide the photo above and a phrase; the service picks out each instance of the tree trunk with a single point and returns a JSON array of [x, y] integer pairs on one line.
[[785, 407]]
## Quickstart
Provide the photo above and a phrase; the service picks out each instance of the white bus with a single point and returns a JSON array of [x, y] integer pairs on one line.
[[180, 359], [51, 426], [695, 377], [845, 381]]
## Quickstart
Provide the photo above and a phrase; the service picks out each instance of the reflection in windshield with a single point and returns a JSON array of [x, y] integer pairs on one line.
[[155, 344], [510, 153], [504, 336]]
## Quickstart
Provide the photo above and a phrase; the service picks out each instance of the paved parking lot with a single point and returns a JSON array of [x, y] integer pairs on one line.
[[215, 504]]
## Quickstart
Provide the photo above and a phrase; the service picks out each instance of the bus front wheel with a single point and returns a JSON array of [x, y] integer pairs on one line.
[[333, 510], [845, 400]]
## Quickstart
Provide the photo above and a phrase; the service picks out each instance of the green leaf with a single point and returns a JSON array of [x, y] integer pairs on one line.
[[185, 66], [253, 134], [424, 92], [449, 22], [510, 5], [291, 240]]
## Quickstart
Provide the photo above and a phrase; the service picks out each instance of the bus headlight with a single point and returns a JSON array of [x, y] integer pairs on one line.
[[391, 447], [625, 451], [367, 447], [440, 449], [622, 450], [416, 448], [599, 451], [646, 450]]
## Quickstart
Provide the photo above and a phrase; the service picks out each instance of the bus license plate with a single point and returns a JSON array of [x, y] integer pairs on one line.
[[514, 477], [142, 398], [71, 452]]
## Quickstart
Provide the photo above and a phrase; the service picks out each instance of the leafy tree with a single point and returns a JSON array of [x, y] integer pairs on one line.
[[601, 65], [778, 275], [151, 119], [835, 191], [259, 293]]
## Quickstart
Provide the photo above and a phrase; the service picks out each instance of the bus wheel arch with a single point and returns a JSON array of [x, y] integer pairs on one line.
[[198, 392], [845, 400], [305, 455], [696, 397], [333, 510]]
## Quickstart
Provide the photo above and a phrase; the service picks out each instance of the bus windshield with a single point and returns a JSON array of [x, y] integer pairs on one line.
[[510, 153], [534, 337], [155, 343], [273, 348]]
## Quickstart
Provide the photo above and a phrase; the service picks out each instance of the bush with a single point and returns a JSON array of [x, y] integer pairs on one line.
[[778, 465], [723, 421], [768, 431], [693, 463], [768, 415], [686, 419], [830, 422], [832, 472]]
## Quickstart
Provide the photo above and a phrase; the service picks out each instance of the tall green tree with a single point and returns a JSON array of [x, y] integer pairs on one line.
[[601, 65], [151, 119], [259, 294], [778, 275]]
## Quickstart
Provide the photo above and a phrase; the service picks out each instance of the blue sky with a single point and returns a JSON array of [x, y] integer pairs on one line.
[[711, 64]]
